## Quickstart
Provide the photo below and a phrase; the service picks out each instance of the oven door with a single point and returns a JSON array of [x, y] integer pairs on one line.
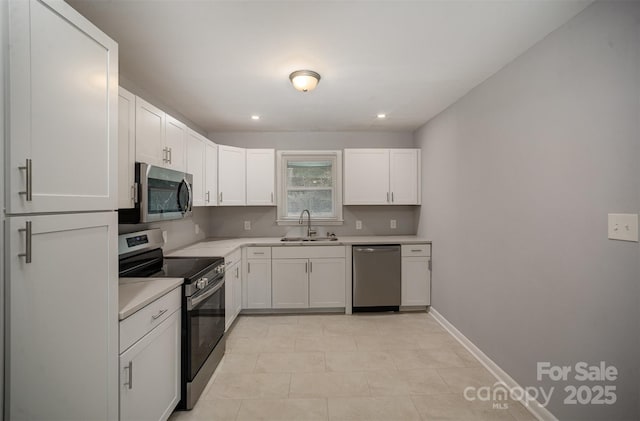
[[204, 325], [166, 194]]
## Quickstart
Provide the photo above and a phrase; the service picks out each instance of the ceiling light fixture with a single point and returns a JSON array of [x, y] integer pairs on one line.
[[381, 116], [304, 80], [255, 117]]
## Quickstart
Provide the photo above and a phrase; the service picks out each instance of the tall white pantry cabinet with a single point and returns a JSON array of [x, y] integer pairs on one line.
[[61, 277]]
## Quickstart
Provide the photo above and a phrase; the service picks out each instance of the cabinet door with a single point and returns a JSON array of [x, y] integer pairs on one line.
[[405, 176], [231, 176], [290, 283], [62, 327], [195, 166], [261, 177], [237, 291], [259, 283], [366, 177], [175, 144], [126, 149], [150, 132], [211, 174], [416, 281], [63, 111], [150, 374], [228, 297], [327, 283]]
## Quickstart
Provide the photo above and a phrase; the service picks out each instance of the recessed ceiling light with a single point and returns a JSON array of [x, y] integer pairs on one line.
[[381, 116], [255, 117]]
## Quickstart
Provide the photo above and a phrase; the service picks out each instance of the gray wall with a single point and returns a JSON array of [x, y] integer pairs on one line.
[[180, 232], [519, 176], [229, 222]]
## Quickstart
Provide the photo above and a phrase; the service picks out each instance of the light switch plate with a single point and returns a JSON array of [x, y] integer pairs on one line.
[[393, 224], [623, 226], [358, 225], [247, 225], [165, 236]]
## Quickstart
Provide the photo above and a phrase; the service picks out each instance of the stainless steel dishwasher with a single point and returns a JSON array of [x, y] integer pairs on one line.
[[376, 278]]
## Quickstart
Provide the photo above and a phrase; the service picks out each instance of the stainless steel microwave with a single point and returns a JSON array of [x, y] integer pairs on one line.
[[161, 194]]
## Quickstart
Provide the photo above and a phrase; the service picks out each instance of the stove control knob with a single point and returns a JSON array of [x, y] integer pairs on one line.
[[220, 269], [202, 283]]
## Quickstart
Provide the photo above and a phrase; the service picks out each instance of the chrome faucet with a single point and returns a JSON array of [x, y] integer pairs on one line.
[[310, 232]]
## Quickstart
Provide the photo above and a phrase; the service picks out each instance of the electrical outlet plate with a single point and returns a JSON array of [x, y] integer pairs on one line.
[[623, 226], [393, 224], [247, 225], [358, 225]]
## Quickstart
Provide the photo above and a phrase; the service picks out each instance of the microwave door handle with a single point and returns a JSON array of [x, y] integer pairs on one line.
[[184, 209]]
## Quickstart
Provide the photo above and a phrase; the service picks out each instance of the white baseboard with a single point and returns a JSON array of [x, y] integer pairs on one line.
[[540, 412]]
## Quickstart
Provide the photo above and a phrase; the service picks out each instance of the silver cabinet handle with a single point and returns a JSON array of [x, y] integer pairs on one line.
[[310, 267], [129, 369], [160, 313], [135, 193], [220, 197], [387, 197], [391, 197], [271, 197], [170, 154], [415, 251], [28, 167], [306, 265], [237, 272], [208, 195], [429, 265], [27, 252], [258, 252], [248, 267], [165, 155]]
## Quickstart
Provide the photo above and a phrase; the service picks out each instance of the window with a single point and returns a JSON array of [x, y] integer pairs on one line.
[[310, 180]]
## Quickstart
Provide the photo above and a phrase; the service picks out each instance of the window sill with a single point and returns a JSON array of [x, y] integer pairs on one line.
[[314, 222]]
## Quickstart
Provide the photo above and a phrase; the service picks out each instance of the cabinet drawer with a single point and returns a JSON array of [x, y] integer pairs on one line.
[[259, 252], [144, 320], [233, 258], [307, 252], [416, 250]]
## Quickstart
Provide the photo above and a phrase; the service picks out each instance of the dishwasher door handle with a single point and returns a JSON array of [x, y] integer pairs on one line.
[[376, 250]]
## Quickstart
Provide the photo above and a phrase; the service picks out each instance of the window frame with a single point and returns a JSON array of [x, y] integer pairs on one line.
[[281, 180]]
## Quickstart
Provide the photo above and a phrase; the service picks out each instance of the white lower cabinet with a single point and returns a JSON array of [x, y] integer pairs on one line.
[[308, 277], [290, 283], [232, 292], [327, 283], [258, 277], [416, 275], [150, 368]]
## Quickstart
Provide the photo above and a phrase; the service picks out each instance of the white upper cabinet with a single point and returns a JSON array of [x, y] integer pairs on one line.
[[404, 176], [231, 176], [382, 176], [195, 165], [211, 174], [261, 177], [175, 144], [366, 176], [150, 132], [60, 158], [126, 149]]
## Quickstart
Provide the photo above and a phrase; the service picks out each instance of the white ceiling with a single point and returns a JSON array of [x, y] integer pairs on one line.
[[219, 62]]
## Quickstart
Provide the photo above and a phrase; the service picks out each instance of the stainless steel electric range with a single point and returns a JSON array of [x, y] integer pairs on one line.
[[203, 310]]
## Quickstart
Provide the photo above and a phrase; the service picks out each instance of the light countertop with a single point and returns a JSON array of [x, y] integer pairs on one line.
[[224, 246], [135, 293]]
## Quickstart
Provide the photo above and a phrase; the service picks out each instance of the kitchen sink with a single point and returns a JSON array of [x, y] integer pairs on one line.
[[298, 239]]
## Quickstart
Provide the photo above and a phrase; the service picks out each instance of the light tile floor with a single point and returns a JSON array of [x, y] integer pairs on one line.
[[338, 367]]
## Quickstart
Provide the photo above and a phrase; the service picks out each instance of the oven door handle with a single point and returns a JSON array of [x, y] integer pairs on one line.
[[193, 302]]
